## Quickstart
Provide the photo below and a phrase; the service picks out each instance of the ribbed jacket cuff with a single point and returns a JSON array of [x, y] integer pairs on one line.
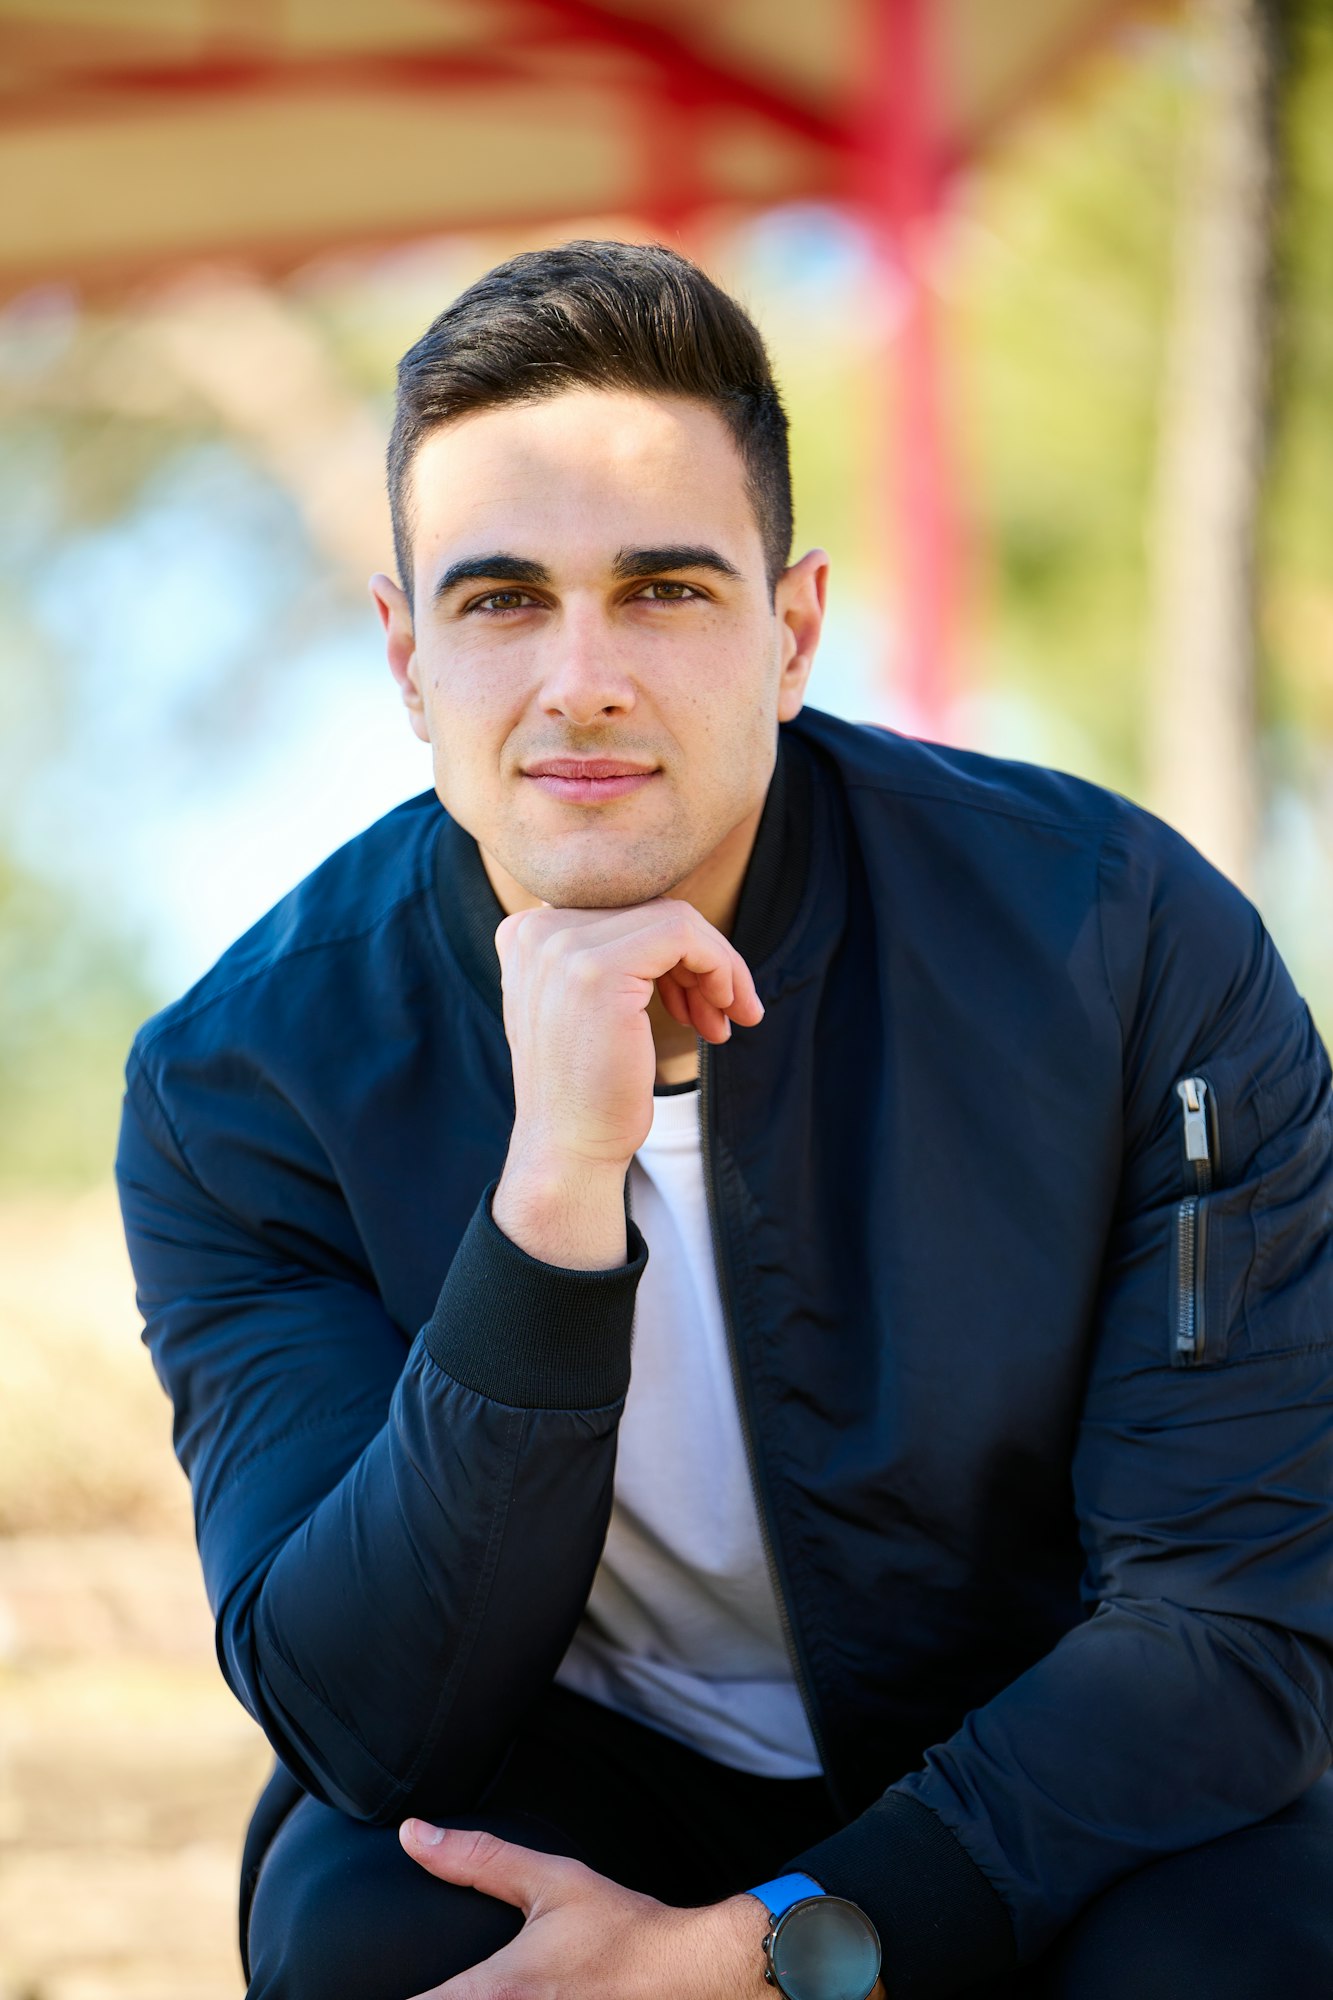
[[941, 1924], [530, 1334]]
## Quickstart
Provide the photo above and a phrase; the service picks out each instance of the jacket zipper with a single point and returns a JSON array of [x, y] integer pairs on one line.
[[1192, 1225], [740, 1384]]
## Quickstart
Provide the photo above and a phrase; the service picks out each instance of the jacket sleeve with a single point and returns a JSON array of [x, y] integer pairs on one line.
[[397, 1540], [1195, 1697]]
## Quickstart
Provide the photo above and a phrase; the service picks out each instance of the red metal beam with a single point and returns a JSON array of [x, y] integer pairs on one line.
[[902, 187], [706, 79]]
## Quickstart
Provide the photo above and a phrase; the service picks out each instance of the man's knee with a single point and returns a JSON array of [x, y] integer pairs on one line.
[[339, 1908], [1249, 1914]]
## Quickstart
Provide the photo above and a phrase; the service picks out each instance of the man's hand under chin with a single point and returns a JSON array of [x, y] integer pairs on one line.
[[577, 984]]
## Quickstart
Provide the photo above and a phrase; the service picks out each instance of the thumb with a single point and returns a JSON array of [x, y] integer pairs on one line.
[[478, 1860]]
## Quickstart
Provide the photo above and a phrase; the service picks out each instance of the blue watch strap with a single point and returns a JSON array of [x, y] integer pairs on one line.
[[778, 1895]]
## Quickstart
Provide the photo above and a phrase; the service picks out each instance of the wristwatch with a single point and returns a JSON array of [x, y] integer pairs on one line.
[[819, 1947]]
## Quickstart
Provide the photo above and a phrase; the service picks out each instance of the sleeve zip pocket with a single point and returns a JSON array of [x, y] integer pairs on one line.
[[1190, 1330]]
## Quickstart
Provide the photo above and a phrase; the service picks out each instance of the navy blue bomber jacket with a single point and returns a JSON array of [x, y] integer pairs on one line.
[[1022, 1196]]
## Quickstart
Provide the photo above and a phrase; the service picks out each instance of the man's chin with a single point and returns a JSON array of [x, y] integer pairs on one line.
[[598, 892], [587, 882]]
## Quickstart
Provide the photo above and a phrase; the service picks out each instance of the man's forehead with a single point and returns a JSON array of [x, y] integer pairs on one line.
[[597, 424], [599, 470]]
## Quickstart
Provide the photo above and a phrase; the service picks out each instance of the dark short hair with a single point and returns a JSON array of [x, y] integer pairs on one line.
[[597, 315]]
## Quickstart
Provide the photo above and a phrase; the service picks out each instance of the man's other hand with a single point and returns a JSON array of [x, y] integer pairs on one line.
[[586, 1938], [577, 984]]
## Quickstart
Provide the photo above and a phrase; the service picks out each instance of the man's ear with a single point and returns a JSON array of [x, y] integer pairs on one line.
[[391, 601], [798, 602]]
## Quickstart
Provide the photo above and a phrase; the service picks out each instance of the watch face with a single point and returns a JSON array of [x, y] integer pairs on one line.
[[825, 1949]]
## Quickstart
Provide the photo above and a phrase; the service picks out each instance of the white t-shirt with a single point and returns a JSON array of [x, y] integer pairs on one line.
[[681, 1629]]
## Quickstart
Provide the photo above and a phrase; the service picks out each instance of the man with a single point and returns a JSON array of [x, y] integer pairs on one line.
[[958, 1541]]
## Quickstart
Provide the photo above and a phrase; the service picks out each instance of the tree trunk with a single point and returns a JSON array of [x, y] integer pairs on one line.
[[1201, 724]]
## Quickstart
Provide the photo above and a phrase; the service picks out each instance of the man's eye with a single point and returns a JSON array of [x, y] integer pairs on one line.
[[673, 593], [499, 601]]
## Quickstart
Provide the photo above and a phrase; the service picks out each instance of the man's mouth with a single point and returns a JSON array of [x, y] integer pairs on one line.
[[588, 781]]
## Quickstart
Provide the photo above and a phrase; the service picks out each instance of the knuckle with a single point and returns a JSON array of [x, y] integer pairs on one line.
[[559, 940], [507, 930], [673, 930], [583, 971]]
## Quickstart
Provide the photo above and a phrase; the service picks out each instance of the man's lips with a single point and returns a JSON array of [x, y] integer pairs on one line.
[[585, 781]]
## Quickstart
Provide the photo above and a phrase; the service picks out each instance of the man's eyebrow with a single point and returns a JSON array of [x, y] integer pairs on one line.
[[652, 562], [500, 567], [497, 566]]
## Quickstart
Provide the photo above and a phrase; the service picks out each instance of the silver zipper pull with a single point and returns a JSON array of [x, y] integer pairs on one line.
[[1193, 1094]]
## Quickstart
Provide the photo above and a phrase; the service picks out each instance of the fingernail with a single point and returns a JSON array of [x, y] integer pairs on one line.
[[425, 1834]]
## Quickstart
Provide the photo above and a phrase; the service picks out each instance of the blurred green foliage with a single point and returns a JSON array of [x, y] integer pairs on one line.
[[1059, 329]]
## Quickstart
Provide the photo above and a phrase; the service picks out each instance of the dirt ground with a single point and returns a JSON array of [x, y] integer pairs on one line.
[[127, 1769]]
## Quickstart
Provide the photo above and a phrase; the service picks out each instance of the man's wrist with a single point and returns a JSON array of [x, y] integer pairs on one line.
[[567, 1213], [736, 1945]]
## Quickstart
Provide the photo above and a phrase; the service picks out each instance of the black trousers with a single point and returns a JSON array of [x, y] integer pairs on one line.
[[332, 1909]]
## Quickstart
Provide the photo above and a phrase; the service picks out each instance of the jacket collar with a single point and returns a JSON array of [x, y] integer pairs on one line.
[[770, 898]]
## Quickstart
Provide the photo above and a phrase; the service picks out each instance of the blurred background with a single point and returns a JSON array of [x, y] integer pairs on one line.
[[1049, 287]]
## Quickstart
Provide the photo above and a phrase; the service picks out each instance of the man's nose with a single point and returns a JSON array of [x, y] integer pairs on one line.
[[586, 675]]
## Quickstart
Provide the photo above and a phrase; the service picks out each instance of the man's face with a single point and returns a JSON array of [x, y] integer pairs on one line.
[[593, 656]]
